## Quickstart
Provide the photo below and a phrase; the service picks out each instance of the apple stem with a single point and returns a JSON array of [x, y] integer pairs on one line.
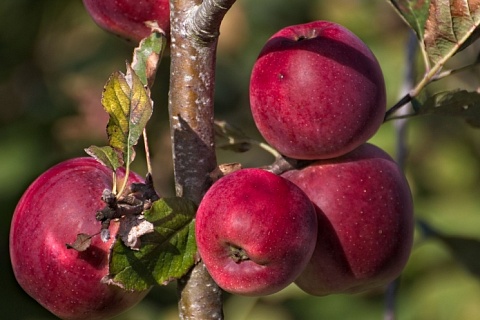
[[114, 179], [125, 181], [147, 152], [283, 164], [267, 148]]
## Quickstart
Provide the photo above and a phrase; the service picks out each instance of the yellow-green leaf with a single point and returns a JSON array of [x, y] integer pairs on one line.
[[129, 106], [106, 156]]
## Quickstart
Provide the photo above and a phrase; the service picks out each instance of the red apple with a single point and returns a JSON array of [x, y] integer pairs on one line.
[[316, 91], [255, 232], [365, 221], [127, 18], [57, 206]]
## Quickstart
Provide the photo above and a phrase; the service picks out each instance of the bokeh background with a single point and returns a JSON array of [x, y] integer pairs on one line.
[[55, 61]]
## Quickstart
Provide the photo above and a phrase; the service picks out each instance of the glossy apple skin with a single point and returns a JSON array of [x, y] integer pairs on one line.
[[365, 218], [268, 217], [126, 18], [316, 91], [57, 206]]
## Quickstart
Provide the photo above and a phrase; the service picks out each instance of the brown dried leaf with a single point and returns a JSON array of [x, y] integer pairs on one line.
[[443, 27], [82, 242], [449, 26]]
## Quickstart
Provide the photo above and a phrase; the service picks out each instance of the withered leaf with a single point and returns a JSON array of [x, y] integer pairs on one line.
[[82, 242]]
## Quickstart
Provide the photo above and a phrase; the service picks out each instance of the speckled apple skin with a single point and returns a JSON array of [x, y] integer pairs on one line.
[[265, 215], [126, 18], [57, 206], [365, 221], [317, 91]]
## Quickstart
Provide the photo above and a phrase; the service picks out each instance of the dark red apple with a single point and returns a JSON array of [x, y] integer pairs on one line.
[[127, 18], [255, 232], [365, 221], [57, 206], [316, 91]]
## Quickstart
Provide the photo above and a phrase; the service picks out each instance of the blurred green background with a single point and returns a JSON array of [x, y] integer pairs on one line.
[[55, 61]]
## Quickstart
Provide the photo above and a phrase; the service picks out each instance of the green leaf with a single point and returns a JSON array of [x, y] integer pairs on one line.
[[442, 27], [458, 103], [106, 156], [128, 103], [166, 254], [146, 57], [465, 250], [415, 14]]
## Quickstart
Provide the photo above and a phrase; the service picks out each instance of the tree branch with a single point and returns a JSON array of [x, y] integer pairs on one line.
[[207, 19], [407, 98], [408, 83], [194, 34], [401, 129]]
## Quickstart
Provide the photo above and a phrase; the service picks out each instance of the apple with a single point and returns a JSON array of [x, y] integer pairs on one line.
[[316, 91], [57, 206], [365, 221], [255, 232], [127, 18]]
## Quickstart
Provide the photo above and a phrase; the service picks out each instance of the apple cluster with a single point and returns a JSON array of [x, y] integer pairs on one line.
[[317, 94], [342, 223]]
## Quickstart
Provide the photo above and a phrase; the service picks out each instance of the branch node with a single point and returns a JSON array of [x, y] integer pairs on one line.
[[205, 22]]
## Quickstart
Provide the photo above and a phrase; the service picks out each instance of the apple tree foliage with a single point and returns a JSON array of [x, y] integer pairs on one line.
[[442, 28]]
